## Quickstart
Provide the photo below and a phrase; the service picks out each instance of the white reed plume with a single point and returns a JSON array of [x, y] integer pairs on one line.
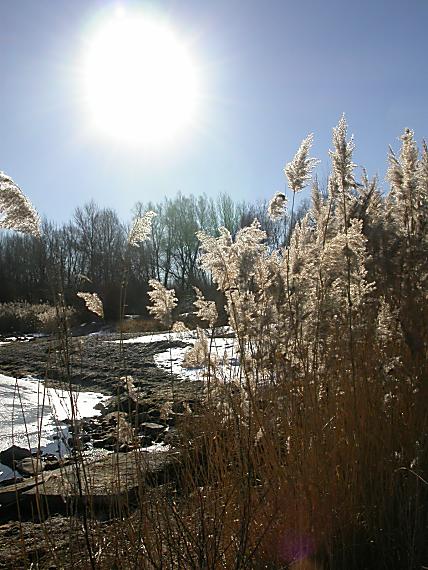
[[299, 170], [16, 211], [230, 261], [423, 169], [277, 206], [199, 354], [163, 301], [141, 228], [341, 156], [93, 303], [207, 310], [179, 327]]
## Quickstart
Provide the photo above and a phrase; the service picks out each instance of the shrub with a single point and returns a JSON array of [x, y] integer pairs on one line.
[[23, 317]]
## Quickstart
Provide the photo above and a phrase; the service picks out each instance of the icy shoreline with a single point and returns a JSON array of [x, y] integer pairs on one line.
[[32, 415], [223, 351]]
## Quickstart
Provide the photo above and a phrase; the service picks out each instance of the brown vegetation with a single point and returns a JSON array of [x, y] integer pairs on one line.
[[315, 455]]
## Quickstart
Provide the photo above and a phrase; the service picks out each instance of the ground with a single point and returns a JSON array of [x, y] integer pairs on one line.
[[97, 364]]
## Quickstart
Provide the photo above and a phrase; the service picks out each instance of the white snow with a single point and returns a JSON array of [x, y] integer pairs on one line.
[[31, 413], [158, 337], [156, 447], [223, 352], [22, 338]]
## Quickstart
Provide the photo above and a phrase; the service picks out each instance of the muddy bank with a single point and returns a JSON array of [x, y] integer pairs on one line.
[[133, 418], [99, 364], [95, 364]]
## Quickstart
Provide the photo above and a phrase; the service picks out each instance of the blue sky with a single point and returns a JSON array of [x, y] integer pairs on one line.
[[272, 71]]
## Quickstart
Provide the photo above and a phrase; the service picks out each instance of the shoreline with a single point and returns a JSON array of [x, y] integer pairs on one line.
[[102, 365]]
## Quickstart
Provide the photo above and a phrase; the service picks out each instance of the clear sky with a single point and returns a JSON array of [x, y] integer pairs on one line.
[[270, 72]]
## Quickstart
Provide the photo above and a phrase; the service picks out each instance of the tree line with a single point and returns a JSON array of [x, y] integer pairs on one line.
[[89, 252]]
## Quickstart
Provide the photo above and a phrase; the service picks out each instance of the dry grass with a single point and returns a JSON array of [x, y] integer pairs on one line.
[[140, 325], [316, 457], [295, 480]]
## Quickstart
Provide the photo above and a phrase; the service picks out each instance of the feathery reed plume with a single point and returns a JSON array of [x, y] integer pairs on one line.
[[299, 170], [406, 189], [277, 206], [93, 303], [163, 301], [226, 260], [207, 310], [423, 169], [402, 172], [141, 229], [199, 354], [16, 211], [341, 156], [179, 327]]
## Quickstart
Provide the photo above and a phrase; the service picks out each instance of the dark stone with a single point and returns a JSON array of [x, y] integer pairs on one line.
[[151, 429], [106, 442], [113, 418], [172, 437], [52, 464], [143, 406], [154, 413], [13, 454], [121, 403], [178, 407]]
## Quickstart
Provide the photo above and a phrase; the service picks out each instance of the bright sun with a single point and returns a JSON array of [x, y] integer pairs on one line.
[[140, 83]]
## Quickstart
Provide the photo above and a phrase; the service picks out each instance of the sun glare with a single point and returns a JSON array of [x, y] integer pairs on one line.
[[140, 84]]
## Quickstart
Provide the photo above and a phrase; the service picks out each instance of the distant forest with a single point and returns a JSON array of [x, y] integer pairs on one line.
[[90, 251]]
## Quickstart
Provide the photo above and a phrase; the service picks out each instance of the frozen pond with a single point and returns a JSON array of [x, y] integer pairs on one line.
[[223, 350], [30, 414]]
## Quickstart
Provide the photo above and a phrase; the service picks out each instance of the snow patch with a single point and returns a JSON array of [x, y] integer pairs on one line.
[[223, 352], [30, 413]]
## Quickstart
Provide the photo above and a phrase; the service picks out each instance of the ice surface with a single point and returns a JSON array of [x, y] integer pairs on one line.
[[29, 412], [223, 351]]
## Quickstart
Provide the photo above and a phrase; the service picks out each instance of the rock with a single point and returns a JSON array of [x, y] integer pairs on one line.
[[111, 480], [113, 418], [107, 442], [178, 407], [144, 406], [151, 429], [138, 419], [30, 466], [13, 454], [121, 403], [172, 437], [51, 464], [154, 414]]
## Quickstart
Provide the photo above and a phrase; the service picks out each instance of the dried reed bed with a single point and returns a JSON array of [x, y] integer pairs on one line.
[[315, 456]]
